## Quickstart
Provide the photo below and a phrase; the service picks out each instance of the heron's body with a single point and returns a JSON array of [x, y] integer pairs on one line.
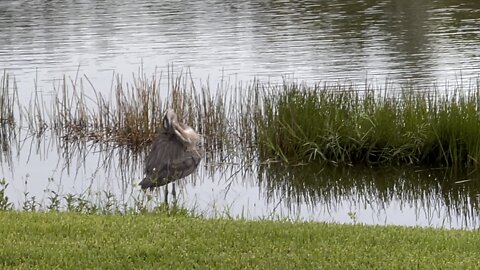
[[175, 153]]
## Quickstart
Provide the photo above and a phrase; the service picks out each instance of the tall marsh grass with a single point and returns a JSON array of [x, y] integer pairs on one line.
[[340, 124], [291, 122], [8, 94], [131, 113]]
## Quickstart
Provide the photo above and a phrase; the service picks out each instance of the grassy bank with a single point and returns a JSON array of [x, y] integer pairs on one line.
[[154, 241]]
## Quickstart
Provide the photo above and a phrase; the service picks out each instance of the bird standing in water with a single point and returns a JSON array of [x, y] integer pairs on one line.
[[175, 154]]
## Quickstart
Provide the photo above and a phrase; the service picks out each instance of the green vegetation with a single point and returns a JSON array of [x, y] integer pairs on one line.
[[343, 125], [104, 202], [293, 122], [154, 241]]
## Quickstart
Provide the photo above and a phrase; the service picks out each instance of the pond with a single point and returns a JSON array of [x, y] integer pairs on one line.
[[388, 195], [422, 44]]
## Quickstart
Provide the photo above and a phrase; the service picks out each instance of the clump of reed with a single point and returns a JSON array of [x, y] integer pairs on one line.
[[8, 94], [8, 108], [131, 116], [341, 125]]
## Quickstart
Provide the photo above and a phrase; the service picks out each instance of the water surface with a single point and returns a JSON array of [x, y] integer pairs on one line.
[[400, 196], [422, 43]]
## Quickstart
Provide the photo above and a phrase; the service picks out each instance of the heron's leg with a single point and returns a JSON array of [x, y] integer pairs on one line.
[[174, 194], [166, 195]]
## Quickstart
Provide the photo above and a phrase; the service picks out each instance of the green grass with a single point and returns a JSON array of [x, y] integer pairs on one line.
[[342, 125], [159, 241]]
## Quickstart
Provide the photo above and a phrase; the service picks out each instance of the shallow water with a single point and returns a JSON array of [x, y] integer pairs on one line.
[[424, 43], [400, 196]]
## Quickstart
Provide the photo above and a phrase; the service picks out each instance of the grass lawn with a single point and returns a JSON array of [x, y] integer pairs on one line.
[[161, 241]]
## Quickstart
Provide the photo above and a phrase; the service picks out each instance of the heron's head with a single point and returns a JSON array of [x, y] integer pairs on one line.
[[170, 120], [183, 132]]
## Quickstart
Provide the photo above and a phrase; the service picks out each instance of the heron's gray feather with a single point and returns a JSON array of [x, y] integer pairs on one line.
[[170, 159]]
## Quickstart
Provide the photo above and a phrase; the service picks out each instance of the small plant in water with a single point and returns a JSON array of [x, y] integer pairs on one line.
[[353, 217], [30, 203], [54, 204], [5, 204], [171, 210], [75, 203], [111, 204]]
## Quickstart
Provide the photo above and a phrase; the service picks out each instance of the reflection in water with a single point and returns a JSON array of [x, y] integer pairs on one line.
[[421, 42], [452, 198], [7, 134], [103, 173]]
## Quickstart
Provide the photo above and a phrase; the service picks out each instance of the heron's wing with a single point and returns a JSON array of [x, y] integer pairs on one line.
[[185, 164], [169, 159]]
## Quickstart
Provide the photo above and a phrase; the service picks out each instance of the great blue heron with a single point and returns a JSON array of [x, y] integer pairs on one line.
[[175, 153]]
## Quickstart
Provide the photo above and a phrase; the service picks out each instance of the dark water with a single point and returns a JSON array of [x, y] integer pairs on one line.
[[424, 43]]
